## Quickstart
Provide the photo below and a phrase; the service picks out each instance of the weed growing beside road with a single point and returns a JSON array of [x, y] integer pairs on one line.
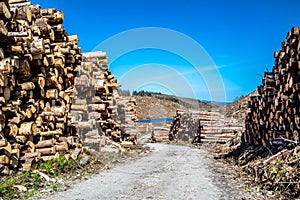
[[27, 183]]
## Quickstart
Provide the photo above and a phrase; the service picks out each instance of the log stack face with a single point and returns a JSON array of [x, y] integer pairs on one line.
[[218, 128], [273, 115], [95, 108], [128, 115], [204, 126], [185, 127], [37, 68]]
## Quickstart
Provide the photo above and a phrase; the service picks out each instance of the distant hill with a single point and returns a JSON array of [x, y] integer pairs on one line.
[[157, 105], [216, 102]]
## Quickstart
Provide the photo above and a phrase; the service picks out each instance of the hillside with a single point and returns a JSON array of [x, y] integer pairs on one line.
[[238, 109], [157, 105]]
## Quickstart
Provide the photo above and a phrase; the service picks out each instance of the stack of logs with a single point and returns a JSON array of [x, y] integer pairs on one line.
[[274, 114], [160, 131], [37, 69], [218, 128], [95, 109], [185, 127], [128, 116], [97, 112], [204, 126]]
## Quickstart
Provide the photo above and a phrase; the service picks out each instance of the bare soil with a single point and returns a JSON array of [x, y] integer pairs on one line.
[[166, 172]]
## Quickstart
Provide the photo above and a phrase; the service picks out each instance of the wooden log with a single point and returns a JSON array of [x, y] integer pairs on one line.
[[6, 150], [4, 10], [47, 151], [52, 94], [15, 50], [62, 146], [3, 28], [5, 66], [24, 69], [45, 143], [14, 161], [75, 153], [21, 139], [4, 160], [30, 145], [18, 34], [51, 81], [27, 86], [78, 107], [86, 124], [21, 12], [12, 2], [28, 164], [28, 128], [37, 46], [27, 155], [16, 152], [98, 107], [3, 142], [3, 81], [51, 133], [13, 130], [6, 93]]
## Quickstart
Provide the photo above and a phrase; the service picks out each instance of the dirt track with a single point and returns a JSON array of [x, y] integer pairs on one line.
[[167, 172]]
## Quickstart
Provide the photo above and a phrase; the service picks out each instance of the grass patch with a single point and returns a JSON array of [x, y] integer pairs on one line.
[[58, 166], [7, 189], [25, 184]]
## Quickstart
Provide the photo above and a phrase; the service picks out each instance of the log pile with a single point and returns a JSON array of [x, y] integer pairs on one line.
[[37, 68], [104, 103], [203, 126], [97, 112], [83, 116], [144, 128], [160, 132], [185, 127], [274, 114], [218, 128], [95, 109], [128, 116]]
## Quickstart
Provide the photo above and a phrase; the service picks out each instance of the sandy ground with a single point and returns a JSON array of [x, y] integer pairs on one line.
[[167, 172]]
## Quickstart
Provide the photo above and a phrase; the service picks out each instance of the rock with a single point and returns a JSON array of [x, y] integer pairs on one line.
[[85, 160]]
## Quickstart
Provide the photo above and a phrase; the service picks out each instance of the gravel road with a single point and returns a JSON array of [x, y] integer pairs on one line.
[[167, 172]]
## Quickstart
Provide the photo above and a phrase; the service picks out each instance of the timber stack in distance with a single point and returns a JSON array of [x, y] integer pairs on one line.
[[128, 117], [274, 114], [37, 69], [202, 126]]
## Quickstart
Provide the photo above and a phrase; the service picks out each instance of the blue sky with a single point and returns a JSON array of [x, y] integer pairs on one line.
[[239, 36]]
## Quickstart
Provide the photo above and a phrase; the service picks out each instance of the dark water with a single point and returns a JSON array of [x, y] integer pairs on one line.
[[157, 120]]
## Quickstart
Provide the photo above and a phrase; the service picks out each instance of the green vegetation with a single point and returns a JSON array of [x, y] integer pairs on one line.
[[58, 166], [27, 183], [7, 189]]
